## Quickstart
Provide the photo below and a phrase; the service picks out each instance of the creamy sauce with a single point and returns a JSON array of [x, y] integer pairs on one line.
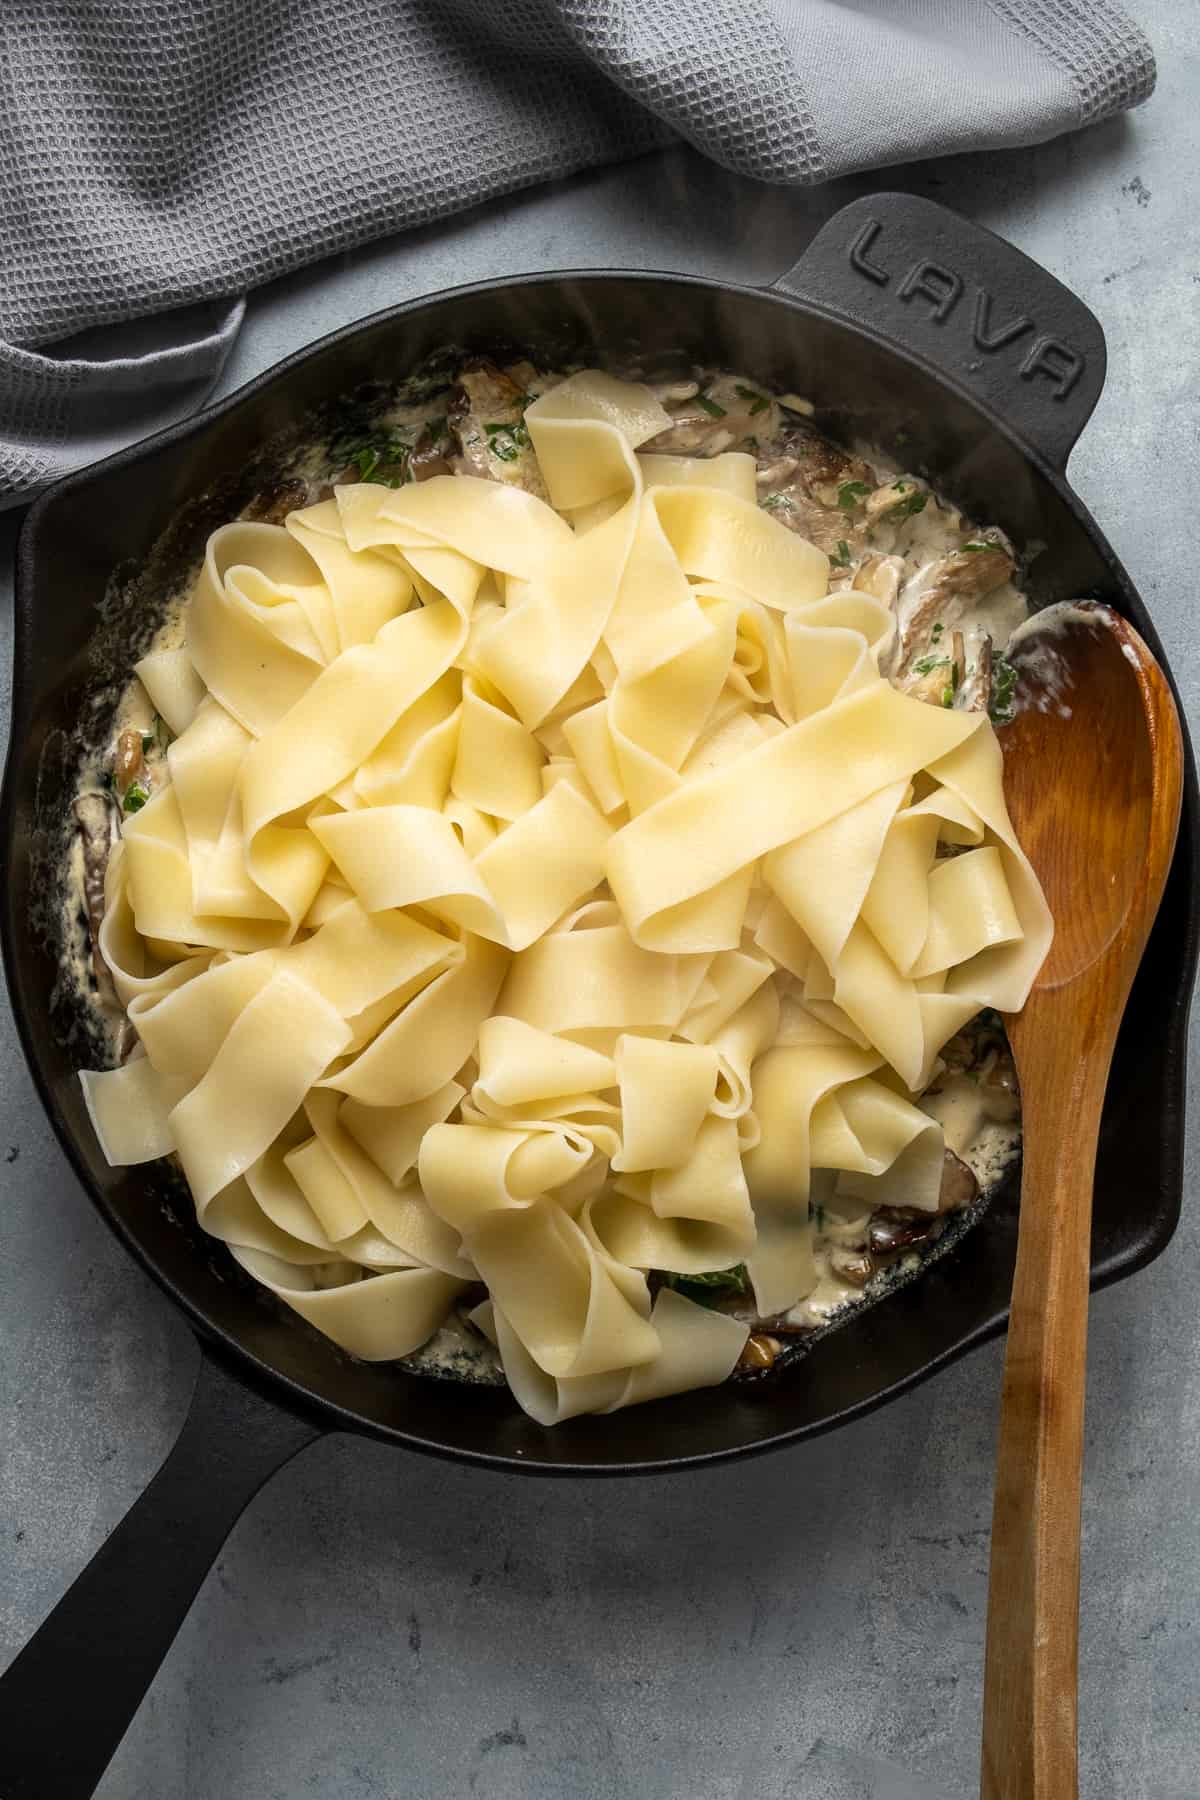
[[457, 1352], [917, 542], [986, 1144]]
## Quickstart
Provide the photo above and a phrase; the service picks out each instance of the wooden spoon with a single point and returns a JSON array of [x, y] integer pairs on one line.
[[1093, 776]]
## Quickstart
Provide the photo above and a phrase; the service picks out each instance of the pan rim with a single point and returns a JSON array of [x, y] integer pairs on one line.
[[285, 1389]]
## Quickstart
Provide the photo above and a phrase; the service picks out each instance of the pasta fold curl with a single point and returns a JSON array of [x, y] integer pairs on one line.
[[553, 896]]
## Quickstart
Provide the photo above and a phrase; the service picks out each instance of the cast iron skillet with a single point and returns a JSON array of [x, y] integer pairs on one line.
[[905, 325]]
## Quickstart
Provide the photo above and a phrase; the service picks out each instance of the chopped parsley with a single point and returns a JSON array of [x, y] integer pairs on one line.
[[711, 1288], [850, 493], [976, 545], [842, 559], [437, 428], [937, 630], [1004, 682], [136, 797], [507, 441], [758, 402], [911, 503], [774, 502], [925, 665], [366, 461], [381, 456], [710, 406]]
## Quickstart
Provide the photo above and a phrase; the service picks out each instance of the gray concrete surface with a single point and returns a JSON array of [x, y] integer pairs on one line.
[[380, 1625]]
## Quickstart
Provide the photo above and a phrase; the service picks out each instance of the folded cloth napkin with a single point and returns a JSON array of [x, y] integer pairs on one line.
[[162, 156]]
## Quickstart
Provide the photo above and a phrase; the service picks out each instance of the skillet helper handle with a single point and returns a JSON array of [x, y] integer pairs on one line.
[[68, 1699], [973, 308]]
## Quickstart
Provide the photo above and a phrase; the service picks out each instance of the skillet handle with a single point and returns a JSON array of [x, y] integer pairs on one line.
[[68, 1699], [982, 314]]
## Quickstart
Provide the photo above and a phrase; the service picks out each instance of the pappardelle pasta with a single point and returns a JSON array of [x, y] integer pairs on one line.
[[546, 893]]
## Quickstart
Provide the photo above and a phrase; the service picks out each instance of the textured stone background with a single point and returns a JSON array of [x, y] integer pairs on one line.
[[380, 1625]]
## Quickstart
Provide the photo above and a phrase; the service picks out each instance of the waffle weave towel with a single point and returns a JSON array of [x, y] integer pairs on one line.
[[159, 157]]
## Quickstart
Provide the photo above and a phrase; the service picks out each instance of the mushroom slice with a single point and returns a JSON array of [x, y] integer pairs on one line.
[[946, 590], [486, 414], [880, 576], [758, 1354], [975, 693], [431, 456], [815, 488], [959, 1186], [129, 762], [273, 504], [724, 412], [852, 1266], [904, 496]]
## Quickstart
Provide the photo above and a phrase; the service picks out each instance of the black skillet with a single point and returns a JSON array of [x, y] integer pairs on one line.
[[908, 327]]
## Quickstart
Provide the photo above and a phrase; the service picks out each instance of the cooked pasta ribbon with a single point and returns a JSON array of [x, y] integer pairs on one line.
[[496, 833]]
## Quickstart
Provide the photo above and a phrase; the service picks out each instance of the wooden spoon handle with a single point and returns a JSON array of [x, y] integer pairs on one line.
[[1031, 1669]]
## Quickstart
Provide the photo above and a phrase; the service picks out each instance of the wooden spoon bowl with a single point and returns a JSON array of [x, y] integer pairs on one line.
[[1093, 768]]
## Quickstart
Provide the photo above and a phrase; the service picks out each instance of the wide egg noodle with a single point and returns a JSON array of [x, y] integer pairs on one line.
[[175, 689], [549, 895]]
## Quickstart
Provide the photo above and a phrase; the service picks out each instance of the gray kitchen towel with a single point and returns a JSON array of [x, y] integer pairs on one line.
[[159, 157]]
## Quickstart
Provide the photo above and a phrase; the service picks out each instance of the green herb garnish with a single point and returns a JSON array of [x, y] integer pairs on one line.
[[976, 546], [710, 407], [773, 502], [901, 439], [937, 630], [507, 441], [711, 1288], [136, 797], [381, 456], [437, 428], [1004, 683], [948, 692], [758, 402], [925, 665], [842, 559], [368, 460], [912, 503], [752, 441], [850, 493]]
